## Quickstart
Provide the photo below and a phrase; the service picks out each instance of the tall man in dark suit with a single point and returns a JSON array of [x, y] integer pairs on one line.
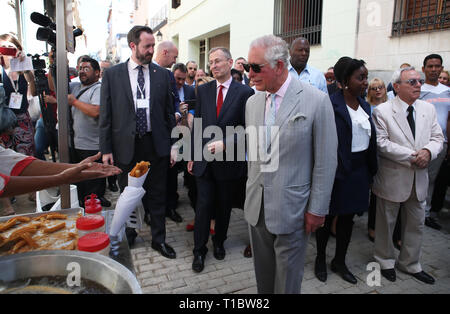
[[136, 119], [220, 104]]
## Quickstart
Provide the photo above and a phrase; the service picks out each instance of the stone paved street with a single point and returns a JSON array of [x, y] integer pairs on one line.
[[235, 273]]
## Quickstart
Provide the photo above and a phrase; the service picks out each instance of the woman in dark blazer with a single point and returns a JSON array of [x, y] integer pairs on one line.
[[357, 164]]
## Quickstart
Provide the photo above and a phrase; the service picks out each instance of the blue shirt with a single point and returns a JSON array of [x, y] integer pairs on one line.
[[310, 75]]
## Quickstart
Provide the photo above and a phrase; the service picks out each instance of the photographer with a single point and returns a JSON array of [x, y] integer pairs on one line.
[[17, 86], [41, 138]]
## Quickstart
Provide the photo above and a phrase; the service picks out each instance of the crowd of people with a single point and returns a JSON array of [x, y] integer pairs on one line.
[[342, 146]]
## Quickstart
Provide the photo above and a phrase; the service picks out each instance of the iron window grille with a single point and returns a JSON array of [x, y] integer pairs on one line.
[[298, 18], [416, 16]]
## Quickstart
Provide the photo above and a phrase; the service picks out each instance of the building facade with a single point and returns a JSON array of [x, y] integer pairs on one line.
[[376, 31]]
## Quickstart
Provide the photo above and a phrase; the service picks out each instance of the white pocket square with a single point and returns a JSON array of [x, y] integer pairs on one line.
[[298, 116]]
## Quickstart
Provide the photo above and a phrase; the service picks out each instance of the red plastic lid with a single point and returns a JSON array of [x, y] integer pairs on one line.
[[93, 242], [91, 199], [93, 209], [91, 222]]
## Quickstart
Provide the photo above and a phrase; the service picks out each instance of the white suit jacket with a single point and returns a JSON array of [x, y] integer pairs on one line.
[[395, 142]]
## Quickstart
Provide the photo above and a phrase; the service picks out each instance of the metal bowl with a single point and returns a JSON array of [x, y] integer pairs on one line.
[[94, 267]]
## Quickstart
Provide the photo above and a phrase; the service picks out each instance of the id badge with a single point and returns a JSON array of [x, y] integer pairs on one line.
[[15, 100], [142, 103]]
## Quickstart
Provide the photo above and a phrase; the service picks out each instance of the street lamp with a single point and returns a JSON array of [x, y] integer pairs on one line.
[[159, 36]]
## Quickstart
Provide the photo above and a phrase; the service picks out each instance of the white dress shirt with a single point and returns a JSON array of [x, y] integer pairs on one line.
[[361, 129], [226, 87], [133, 72]]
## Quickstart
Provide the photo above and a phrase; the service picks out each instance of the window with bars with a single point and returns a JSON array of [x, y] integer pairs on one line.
[[415, 16], [298, 18]]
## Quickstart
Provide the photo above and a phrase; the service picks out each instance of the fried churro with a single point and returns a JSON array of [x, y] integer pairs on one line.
[[54, 228], [29, 240], [140, 169], [18, 246]]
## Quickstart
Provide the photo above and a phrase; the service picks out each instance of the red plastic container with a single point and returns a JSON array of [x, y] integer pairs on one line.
[[95, 242], [89, 224]]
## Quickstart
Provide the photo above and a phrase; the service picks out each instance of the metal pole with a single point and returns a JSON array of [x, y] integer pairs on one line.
[[62, 83], [19, 21]]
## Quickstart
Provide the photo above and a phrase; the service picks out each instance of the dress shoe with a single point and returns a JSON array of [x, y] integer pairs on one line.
[[104, 202], [113, 187], [248, 251], [389, 274], [431, 222], [199, 263], [189, 227], [219, 251], [147, 219], [320, 269], [424, 277], [172, 214], [343, 271], [165, 250]]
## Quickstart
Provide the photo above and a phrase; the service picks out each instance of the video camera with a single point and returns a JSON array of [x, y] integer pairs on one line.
[[47, 32]]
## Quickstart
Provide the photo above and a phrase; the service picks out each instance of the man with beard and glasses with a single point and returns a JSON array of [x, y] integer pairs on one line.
[[84, 102], [191, 74], [136, 120], [299, 67]]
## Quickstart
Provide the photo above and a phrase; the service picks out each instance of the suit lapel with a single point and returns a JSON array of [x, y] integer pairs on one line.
[[153, 84], [290, 100], [124, 73], [228, 100], [420, 121], [400, 118], [341, 108]]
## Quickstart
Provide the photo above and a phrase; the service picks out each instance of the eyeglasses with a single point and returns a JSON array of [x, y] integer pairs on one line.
[[211, 63], [375, 89], [255, 67], [413, 82]]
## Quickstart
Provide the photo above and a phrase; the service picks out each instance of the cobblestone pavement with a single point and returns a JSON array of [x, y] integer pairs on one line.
[[235, 273]]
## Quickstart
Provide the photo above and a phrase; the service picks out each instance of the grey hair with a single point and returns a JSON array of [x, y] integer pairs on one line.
[[275, 49], [225, 51], [397, 76]]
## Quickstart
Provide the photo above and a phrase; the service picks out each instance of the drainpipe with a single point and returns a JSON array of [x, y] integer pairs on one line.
[[358, 17], [18, 20]]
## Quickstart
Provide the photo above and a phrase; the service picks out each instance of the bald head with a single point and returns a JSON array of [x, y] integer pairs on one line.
[[299, 54], [166, 54]]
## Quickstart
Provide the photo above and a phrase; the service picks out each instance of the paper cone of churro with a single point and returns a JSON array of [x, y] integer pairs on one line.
[[130, 197], [137, 176]]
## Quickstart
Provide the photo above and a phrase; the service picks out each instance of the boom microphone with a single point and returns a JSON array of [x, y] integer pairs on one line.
[[42, 20]]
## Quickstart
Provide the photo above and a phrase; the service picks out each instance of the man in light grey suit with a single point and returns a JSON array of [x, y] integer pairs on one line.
[[291, 172]]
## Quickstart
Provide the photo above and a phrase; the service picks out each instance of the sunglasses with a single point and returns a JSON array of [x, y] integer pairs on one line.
[[413, 82], [255, 67], [375, 89]]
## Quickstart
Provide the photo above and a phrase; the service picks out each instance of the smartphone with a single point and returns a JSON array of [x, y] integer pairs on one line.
[[6, 51], [191, 104]]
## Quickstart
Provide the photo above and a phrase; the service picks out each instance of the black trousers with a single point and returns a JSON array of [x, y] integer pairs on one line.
[[155, 185], [440, 187], [85, 188], [211, 193], [344, 229], [172, 188]]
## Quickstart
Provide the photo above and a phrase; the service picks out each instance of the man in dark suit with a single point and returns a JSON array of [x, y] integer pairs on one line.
[[136, 119], [220, 104]]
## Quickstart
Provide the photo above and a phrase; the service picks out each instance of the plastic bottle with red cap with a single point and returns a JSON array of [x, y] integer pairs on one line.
[[90, 223], [95, 242], [92, 205]]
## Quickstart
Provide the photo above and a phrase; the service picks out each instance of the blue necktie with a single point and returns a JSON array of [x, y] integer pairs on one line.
[[141, 114], [270, 120]]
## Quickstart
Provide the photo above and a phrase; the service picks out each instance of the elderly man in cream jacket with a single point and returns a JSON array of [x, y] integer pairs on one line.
[[408, 138]]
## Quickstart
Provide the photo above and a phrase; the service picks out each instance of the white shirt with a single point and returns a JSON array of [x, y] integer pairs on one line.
[[405, 108], [11, 164], [361, 129], [440, 88], [133, 72]]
